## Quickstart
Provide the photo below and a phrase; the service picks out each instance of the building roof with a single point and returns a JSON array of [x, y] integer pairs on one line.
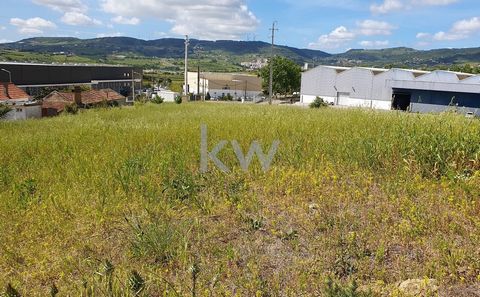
[[58, 105], [9, 91], [62, 64], [420, 74], [58, 100]]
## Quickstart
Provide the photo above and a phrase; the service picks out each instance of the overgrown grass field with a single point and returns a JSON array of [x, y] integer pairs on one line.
[[112, 203]]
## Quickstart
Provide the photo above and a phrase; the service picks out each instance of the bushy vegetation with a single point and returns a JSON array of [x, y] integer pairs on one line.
[[111, 202], [226, 97], [4, 109], [287, 76], [158, 99], [318, 103], [71, 108], [178, 99]]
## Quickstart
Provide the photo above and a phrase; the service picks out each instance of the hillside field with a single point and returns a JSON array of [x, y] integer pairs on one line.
[[112, 202]]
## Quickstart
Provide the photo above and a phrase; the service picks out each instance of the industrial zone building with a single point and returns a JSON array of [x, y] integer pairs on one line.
[[400, 89], [223, 84], [32, 78]]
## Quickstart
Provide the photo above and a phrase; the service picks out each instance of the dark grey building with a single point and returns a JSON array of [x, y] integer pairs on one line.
[[35, 77]]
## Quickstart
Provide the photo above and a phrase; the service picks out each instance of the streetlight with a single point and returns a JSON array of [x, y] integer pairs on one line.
[[9, 74]]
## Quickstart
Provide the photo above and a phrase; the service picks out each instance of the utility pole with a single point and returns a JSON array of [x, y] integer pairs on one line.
[[270, 84], [246, 86], [186, 65], [198, 82], [133, 85]]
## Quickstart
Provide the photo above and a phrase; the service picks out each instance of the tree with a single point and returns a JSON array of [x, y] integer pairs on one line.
[[286, 76]]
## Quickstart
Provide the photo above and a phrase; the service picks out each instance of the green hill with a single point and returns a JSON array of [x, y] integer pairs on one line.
[[161, 48], [406, 57], [221, 55]]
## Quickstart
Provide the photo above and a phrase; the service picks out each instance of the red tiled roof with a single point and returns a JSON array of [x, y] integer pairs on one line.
[[14, 92], [57, 105], [54, 99]]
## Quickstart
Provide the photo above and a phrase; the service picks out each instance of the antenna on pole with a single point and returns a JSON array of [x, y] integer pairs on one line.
[[270, 84], [187, 42]]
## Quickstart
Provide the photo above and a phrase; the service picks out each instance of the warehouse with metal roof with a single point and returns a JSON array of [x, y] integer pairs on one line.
[[398, 89]]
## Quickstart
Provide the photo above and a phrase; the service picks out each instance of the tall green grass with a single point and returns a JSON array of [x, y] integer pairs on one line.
[[356, 195]]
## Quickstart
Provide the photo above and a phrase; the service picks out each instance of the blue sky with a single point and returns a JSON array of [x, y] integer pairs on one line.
[[332, 26]]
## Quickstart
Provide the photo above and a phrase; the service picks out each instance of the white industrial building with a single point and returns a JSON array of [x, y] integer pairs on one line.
[[402, 89], [222, 84]]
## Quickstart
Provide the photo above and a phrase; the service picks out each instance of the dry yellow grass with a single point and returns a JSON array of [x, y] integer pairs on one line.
[[378, 198]]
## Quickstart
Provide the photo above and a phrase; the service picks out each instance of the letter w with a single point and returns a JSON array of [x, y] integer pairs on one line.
[[265, 161]]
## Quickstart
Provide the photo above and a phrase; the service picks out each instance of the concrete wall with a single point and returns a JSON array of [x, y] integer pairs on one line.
[[23, 112], [216, 93], [307, 99], [168, 96], [434, 108]]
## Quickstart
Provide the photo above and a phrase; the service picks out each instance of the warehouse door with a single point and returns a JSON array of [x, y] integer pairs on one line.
[[401, 101], [343, 98]]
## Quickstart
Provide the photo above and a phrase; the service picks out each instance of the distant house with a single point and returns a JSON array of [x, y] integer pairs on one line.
[[22, 106], [56, 102]]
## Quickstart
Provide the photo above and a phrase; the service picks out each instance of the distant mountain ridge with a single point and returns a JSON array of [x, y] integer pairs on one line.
[[236, 51], [161, 48]]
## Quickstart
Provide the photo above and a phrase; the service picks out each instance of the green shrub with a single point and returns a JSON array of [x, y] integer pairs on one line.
[[337, 289], [178, 99], [318, 103], [224, 97], [4, 109], [158, 99], [160, 241], [71, 108]]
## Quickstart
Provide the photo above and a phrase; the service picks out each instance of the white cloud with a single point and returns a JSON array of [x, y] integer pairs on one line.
[[5, 41], [371, 28], [394, 5], [3, 28], [334, 39], [207, 19], [374, 44], [63, 5], [386, 6], [126, 21], [423, 35], [460, 30], [342, 35], [33, 26], [467, 26], [114, 34], [79, 19]]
